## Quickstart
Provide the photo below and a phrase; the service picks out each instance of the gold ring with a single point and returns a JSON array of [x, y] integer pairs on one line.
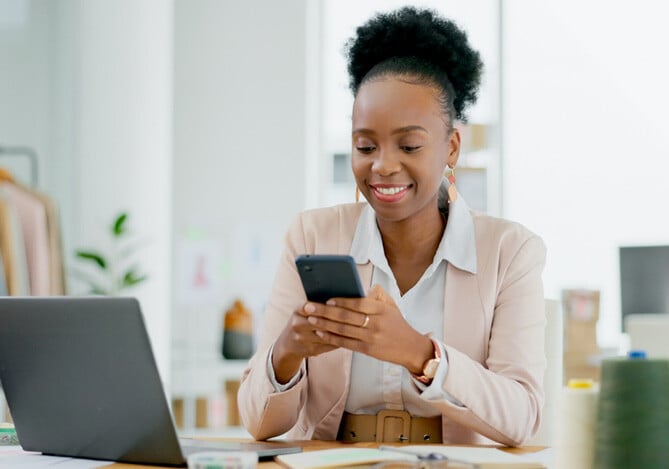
[[364, 324]]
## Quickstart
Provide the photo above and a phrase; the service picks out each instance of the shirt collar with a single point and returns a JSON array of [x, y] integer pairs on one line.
[[367, 244], [459, 238], [457, 246]]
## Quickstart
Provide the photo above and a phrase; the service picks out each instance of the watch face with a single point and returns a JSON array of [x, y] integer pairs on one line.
[[431, 368]]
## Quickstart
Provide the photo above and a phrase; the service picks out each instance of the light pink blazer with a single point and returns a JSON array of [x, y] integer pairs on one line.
[[494, 324]]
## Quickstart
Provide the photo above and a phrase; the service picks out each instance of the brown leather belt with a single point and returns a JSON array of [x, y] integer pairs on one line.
[[390, 426]]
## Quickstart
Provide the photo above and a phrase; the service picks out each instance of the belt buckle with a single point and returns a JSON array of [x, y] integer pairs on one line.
[[393, 414]]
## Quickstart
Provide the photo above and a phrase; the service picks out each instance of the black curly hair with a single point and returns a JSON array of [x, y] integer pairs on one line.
[[422, 48]]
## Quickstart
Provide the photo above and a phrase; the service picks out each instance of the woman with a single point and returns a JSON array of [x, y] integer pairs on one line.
[[447, 346]]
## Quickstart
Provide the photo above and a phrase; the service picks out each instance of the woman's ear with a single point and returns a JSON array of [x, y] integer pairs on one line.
[[453, 148]]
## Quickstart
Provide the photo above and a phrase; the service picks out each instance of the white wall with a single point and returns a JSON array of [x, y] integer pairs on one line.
[[124, 128], [585, 137], [88, 85], [25, 71], [239, 157]]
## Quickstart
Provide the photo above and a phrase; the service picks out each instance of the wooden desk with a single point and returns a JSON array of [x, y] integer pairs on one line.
[[312, 445]]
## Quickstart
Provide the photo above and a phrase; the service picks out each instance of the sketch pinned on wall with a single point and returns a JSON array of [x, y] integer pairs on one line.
[[256, 249], [210, 270], [198, 271]]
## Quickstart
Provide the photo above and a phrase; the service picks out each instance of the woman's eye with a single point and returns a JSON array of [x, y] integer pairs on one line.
[[365, 149], [410, 149]]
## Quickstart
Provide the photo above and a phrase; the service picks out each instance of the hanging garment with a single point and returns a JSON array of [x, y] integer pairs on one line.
[[12, 247], [57, 266], [57, 282], [32, 216], [3, 281]]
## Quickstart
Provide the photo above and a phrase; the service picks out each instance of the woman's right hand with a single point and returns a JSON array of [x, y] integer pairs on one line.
[[297, 341]]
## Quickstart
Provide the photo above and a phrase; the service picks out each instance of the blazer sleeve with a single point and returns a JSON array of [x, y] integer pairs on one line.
[[502, 398], [265, 412]]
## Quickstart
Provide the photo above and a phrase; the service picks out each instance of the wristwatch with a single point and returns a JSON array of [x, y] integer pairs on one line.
[[430, 366]]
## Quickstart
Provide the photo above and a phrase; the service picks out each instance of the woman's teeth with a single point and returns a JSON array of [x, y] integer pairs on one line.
[[390, 190]]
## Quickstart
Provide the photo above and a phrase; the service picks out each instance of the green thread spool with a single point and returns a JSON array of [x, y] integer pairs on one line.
[[633, 414]]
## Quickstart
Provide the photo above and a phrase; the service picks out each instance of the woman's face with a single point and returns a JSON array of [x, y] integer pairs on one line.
[[401, 147]]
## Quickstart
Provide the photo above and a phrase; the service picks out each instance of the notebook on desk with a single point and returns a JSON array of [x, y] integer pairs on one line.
[[80, 379]]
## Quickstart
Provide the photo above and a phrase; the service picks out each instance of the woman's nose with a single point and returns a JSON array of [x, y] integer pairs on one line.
[[386, 163]]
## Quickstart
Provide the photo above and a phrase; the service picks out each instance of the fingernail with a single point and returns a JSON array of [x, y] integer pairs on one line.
[[330, 302], [312, 320], [309, 308], [320, 334]]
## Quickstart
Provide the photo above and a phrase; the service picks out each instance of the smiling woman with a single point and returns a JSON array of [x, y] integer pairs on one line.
[[383, 143], [448, 343]]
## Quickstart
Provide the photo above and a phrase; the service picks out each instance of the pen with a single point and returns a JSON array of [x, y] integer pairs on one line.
[[432, 456]]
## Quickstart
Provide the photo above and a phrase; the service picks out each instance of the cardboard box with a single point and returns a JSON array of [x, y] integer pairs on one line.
[[231, 388], [580, 338], [201, 412], [581, 313], [580, 305], [581, 366], [178, 412], [474, 137], [8, 415]]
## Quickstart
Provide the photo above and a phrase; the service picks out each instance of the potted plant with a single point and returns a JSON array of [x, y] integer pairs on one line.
[[112, 272]]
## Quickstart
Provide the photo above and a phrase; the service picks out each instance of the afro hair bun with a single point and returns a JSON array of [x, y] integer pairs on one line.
[[422, 34]]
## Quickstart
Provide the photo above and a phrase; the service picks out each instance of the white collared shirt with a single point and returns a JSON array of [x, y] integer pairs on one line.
[[387, 385]]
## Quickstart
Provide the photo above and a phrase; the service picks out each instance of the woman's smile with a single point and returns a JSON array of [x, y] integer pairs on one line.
[[389, 192]]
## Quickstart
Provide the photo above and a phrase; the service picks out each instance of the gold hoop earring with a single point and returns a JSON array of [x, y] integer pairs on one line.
[[452, 191]]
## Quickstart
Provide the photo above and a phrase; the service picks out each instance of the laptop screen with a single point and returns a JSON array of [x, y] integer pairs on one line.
[[80, 379]]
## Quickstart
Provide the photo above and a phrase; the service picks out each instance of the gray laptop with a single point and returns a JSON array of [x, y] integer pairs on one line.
[[80, 379]]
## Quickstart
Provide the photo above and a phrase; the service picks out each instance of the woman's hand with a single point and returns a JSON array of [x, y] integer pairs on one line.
[[372, 325], [297, 341]]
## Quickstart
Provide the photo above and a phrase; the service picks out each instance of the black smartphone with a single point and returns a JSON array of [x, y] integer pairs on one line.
[[326, 276]]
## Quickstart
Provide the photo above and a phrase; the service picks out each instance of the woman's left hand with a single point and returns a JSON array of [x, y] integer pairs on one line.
[[372, 325]]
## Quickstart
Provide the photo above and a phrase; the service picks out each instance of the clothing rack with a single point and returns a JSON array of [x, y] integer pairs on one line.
[[26, 152]]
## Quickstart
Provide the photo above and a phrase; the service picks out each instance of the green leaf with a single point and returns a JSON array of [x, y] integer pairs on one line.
[[132, 278], [119, 224], [94, 257]]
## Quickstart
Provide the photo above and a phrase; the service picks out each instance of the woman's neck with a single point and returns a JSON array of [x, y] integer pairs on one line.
[[413, 240]]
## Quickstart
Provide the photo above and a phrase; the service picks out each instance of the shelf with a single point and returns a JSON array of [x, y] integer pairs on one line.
[[226, 432], [204, 375]]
